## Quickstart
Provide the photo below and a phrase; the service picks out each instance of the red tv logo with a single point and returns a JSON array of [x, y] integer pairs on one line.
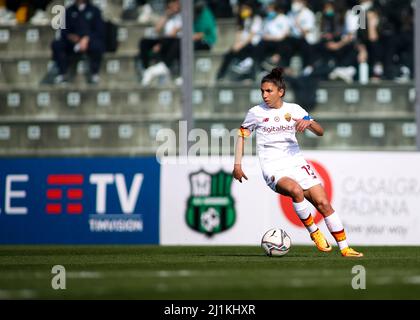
[[286, 203], [64, 188]]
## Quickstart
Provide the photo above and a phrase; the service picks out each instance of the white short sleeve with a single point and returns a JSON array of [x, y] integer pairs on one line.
[[249, 123], [299, 112]]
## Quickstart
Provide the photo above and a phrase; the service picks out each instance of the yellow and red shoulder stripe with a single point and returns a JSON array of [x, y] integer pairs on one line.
[[244, 132]]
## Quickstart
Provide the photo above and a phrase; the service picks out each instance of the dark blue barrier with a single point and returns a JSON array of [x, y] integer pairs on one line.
[[79, 201]]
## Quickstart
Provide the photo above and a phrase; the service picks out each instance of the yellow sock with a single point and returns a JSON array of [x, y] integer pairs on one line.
[[335, 226], [309, 223], [304, 212], [340, 237]]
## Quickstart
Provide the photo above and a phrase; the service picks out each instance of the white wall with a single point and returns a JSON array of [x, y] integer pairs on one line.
[[377, 196]]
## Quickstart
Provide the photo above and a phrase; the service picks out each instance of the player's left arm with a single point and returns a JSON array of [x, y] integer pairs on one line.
[[316, 128], [308, 123]]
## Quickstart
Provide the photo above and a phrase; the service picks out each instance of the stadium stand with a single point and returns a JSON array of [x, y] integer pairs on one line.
[[119, 116]]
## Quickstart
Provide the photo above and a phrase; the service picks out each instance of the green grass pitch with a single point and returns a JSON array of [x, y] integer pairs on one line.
[[216, 272]]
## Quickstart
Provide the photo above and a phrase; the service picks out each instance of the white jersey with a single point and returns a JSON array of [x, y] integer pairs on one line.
[[276, 134], [306, 20], [173, 23], [277, 27], [252, 26]]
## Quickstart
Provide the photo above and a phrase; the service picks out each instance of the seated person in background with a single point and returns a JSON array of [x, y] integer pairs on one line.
[[140, 10], [156, 52], [399, 41], [205, 29], [274, 35], [166, 49], [335, 55], [304, 33], [370, 47], [247, 36], [84, 34]]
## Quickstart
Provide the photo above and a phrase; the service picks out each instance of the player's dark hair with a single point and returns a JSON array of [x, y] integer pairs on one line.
[[276, 77]]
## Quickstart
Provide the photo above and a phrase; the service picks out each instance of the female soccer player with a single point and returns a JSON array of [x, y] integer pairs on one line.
[[283, 166]]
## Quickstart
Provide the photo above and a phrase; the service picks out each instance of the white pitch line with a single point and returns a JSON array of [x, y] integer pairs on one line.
[[20, 294], [84, 275], [412, 280]]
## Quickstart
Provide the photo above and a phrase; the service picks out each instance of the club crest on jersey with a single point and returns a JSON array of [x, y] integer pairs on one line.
[[210, 207], [288, 117], [277, 119], [266, 119]]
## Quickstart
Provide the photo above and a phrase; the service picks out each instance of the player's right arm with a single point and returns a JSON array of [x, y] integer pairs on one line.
[[238, 174], [244, 131]]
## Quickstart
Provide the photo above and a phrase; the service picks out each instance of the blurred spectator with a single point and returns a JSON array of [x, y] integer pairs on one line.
[[398, 40], [22, 11], [205, 29], [304, 32], [84, 35], [332, 21], [336, 48], [139, 10], [156, 53], [317, 54], [273, 44], [369, 45], [247, 36], [166, 49], [385, 42]]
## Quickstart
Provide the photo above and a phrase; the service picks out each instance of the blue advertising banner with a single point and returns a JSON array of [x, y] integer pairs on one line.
[[79, 201]]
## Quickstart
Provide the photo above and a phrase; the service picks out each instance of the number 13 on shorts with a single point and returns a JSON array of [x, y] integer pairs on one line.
[[309, 171]]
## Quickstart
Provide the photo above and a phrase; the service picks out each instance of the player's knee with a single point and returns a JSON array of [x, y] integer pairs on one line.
[[296, 192], [324, 206]]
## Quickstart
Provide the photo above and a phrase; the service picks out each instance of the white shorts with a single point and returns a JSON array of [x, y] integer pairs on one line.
[[302, 174]]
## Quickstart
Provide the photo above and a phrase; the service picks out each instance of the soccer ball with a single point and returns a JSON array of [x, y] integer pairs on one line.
[[276, 242], [210, 220]]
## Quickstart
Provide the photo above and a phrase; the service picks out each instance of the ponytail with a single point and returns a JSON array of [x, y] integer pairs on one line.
[[275, 77]]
